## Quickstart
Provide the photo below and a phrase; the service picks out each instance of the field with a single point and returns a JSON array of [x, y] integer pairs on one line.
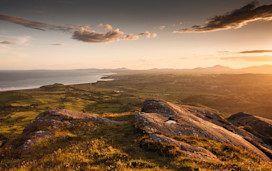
[[226, 94], [102, 147]]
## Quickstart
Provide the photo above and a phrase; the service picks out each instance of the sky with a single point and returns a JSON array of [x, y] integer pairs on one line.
[[142, 34]]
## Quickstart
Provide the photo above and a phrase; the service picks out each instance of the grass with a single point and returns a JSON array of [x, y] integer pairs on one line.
[[119, 147], [101, 147], [164, 149], [93, 146], [19, 108], [264, 150], [226, 94], [231, 157], [224, 152]]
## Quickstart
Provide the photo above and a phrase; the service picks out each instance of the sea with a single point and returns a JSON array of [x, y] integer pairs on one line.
[[28, 79]]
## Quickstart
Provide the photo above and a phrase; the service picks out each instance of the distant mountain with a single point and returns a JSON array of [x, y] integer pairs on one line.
[[213, 69], [266, 69], [217, 69]]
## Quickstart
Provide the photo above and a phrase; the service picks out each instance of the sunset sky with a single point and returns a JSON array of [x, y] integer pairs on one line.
[[142, 34]]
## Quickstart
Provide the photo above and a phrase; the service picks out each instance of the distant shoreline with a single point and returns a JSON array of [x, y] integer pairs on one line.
[[106, 77]]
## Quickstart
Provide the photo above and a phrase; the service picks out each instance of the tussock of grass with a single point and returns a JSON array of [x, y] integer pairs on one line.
[[86, 153], [140, 164], [264, 150], [89, 146], [224, 152], [163, 149]]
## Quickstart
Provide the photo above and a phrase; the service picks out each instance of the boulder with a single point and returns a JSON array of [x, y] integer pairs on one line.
[[155, 114], [54, 119], [258, 126]]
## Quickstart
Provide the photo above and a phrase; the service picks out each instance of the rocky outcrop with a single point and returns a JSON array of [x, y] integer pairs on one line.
[[214, 118], [52, 119], [63, 117], [190, 121], [260, 127]]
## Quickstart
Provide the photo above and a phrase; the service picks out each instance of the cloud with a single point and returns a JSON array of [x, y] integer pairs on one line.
[[106, 26], [147, 34], [154, 35], [18, 40], [83, 27], [111, 36], [92, 36], [8, 42], [224, 51], [256, 51], [57, 44], [34, 24], [80, 32], [249, 58], [22, 40], [234, 19], [244, 52], [162, 27], [130, 37]]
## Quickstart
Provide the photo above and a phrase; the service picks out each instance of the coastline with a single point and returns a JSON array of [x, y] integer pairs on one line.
[[105, 77]]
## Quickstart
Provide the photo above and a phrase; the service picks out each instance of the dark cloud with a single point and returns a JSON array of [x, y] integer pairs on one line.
[[80, 32], [8, 42], [34, 24], [92, 36], [256, 51], [234, 19], [111, 36], [249, 58]]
